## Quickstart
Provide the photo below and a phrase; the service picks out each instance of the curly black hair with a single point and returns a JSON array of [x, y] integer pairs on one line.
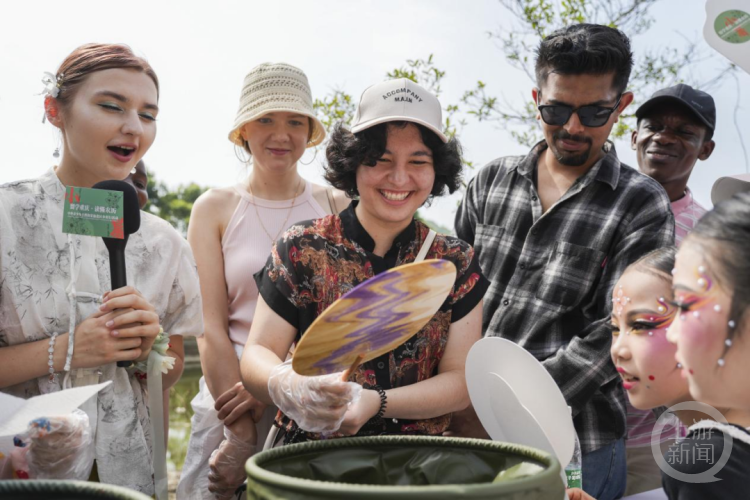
[[347, 151]]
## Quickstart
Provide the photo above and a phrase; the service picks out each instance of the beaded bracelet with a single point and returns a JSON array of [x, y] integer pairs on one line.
[[51, 361]]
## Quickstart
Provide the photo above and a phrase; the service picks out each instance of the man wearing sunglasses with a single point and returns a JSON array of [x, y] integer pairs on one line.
[[555, 229]]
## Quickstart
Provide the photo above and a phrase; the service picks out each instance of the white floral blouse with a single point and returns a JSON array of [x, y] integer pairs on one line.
[[34, 275]]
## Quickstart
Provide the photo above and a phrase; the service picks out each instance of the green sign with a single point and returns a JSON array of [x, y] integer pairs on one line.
[[93, 212], [733, 26]]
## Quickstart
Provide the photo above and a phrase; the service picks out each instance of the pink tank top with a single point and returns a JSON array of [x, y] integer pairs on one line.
[[246, 247]]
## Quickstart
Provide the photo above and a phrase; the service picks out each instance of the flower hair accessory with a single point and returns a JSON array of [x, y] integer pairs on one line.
[[52, 84]]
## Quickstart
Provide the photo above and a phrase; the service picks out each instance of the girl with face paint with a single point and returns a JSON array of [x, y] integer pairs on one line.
[[711, 349], [641, 313], [711, 285], [712, 289]]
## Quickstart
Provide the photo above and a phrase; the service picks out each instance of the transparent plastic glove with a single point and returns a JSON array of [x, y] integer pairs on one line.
[[20, 465], [227, 465], [317, 404], [60, 447]]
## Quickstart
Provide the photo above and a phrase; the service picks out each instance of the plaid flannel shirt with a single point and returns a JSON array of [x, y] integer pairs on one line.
[[552, 273]]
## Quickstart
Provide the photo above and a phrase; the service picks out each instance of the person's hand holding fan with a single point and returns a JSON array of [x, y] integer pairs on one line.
[[372, 319]]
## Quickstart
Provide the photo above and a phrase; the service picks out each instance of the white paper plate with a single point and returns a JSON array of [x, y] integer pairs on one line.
[[517, 400]]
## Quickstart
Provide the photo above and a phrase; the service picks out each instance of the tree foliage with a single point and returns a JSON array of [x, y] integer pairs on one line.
[[336, 107], [532, 20], [174, 206]]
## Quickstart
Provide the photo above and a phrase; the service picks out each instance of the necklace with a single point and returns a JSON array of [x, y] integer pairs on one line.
[[283, 224]]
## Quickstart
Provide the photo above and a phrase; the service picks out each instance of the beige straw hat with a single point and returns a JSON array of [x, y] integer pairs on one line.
[[273, 87]]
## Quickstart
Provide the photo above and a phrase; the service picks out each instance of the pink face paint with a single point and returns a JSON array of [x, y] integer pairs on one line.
[[668, 313], [660, 321], [705, 282], [705, 285], [620, 300], [697, 301], [695, 339]]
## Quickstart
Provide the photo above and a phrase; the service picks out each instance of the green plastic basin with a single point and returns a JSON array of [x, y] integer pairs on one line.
[[43, 489], [396, 467]]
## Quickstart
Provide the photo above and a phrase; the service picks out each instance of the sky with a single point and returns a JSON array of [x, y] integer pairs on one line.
[[202, 50]]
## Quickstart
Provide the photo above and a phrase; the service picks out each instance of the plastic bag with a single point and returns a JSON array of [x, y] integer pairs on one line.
[[227, 465], [58, 447], [317, 404]]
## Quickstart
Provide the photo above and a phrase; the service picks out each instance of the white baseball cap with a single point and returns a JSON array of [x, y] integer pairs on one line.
[[399, 100], [726, 187]]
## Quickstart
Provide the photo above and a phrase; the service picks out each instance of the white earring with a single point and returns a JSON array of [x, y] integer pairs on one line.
[[56, 152]]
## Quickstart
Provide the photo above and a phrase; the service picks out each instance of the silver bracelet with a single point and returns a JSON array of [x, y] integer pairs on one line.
[[51, 361]]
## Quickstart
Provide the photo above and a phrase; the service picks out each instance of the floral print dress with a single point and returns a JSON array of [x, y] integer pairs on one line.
[[35, 272]]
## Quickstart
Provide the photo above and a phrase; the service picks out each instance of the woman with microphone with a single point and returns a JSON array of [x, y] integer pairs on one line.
[[104, 101]]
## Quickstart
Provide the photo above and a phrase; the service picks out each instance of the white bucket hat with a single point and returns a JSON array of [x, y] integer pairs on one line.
[[273, 87], [726, 187], [399, 100]]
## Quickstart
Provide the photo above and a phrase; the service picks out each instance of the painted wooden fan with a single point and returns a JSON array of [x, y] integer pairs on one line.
[[374, 317]]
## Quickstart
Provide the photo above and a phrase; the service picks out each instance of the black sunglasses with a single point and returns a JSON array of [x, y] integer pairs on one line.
[[590, 116]]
